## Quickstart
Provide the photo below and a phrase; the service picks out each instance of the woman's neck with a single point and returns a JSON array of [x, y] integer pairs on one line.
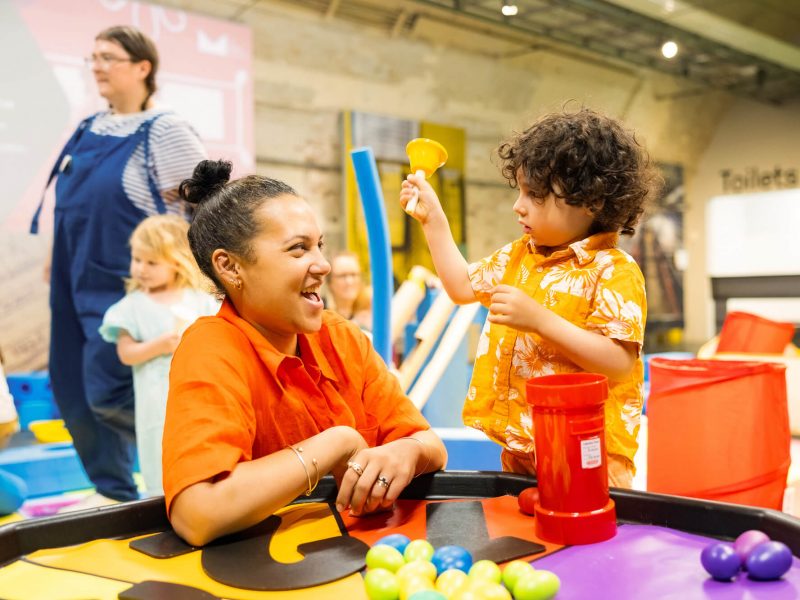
[[285, 344], [126, 105]]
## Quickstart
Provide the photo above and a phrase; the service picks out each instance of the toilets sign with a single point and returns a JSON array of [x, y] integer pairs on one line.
[[759, 179]]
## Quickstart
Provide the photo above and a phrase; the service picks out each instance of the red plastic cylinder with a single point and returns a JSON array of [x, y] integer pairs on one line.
[[569, 424]]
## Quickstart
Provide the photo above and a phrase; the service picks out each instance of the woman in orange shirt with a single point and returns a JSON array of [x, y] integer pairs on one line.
[[274, 392]]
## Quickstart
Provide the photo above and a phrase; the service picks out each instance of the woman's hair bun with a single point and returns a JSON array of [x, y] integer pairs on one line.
[[209, 177]]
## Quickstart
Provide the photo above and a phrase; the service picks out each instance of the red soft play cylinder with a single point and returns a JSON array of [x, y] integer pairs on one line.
[[569, 437]]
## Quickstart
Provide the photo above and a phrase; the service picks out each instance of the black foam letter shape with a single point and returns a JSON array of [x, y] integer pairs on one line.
[[243, 560], [464, 524]]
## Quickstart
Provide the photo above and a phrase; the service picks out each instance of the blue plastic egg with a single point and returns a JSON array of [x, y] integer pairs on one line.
[[451, 557], [395, 540]]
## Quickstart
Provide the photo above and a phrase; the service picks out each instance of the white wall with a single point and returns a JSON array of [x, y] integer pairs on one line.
[[750, 138]]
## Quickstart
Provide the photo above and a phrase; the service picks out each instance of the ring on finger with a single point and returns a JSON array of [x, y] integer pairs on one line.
[[382, 481], [356, 467]]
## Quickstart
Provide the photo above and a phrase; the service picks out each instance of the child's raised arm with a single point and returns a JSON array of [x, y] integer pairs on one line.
[[450, 265], [132, 353]]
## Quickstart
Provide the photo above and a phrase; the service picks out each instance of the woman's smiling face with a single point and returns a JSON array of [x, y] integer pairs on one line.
[[280, 287]]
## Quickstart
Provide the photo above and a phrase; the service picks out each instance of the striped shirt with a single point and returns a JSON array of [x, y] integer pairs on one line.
[[175, 150]]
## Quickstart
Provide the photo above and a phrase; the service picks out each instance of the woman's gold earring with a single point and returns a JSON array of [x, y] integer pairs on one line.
[[236, 283]]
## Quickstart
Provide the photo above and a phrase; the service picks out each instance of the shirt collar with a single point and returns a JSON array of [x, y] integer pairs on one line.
[[310, 348], [583, 250]]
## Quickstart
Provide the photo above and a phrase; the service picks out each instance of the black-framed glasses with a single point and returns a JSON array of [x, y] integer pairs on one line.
[[105, 61]]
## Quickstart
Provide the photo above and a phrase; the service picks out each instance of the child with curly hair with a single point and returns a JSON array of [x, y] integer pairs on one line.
[[563, 297]]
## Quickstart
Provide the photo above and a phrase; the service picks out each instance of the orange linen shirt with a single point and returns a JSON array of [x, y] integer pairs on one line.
[[233, 397], [592, 284]]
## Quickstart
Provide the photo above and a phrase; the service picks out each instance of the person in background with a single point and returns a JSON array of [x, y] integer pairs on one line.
[[275, 392], [347, 293], [562, 298], [119, 167], [166, 294]]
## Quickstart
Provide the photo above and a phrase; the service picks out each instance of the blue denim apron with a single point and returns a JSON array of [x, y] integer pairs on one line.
[[94, 219]]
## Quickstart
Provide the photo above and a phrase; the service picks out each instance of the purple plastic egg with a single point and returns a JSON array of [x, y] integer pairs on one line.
[[721, 561], [745, 543], [768, 561]]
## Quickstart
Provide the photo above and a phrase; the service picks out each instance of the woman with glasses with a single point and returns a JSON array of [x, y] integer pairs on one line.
[[120, 166], [347, 293]]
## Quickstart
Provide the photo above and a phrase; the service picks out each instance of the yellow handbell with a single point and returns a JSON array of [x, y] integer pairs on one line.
[[425, 157]]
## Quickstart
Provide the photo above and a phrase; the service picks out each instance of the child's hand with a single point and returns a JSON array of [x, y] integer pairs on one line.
[[512, 307], [428, 204], [168, 342]]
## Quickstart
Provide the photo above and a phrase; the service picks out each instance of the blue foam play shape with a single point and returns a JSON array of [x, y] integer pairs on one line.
[[469, 450], [13, 492], [33, 397], [47, 469], [380, 250]]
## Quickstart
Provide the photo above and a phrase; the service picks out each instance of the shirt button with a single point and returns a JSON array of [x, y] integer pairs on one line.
[[506, 350], [539, 269]]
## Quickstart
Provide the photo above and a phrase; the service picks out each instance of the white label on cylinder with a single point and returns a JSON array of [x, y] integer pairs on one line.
[[590, 453]]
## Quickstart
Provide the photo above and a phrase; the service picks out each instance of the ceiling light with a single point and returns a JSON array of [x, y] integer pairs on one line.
[[669, 49], [509, 9]]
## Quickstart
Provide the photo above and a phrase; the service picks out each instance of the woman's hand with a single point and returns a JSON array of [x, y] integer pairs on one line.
[[375, 476], [354, 442]]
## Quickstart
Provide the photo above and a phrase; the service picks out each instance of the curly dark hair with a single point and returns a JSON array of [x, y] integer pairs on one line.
[[587, 159]]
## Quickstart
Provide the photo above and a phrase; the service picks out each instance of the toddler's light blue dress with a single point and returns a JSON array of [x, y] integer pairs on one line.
[[145, 319]]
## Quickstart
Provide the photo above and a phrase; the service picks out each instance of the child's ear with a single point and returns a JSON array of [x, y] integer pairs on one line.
[[593, 210]]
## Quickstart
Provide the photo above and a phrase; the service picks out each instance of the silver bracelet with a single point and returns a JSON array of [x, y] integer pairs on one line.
[[424, 451], [298, 452]]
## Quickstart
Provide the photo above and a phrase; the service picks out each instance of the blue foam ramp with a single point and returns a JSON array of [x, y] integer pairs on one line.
[[469, 450], [47, 469]]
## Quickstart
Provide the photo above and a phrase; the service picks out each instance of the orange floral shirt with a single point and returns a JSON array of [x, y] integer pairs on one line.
[[592, 284]]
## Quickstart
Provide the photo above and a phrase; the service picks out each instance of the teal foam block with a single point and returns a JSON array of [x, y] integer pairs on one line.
[[47, 469], [469, 449]]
